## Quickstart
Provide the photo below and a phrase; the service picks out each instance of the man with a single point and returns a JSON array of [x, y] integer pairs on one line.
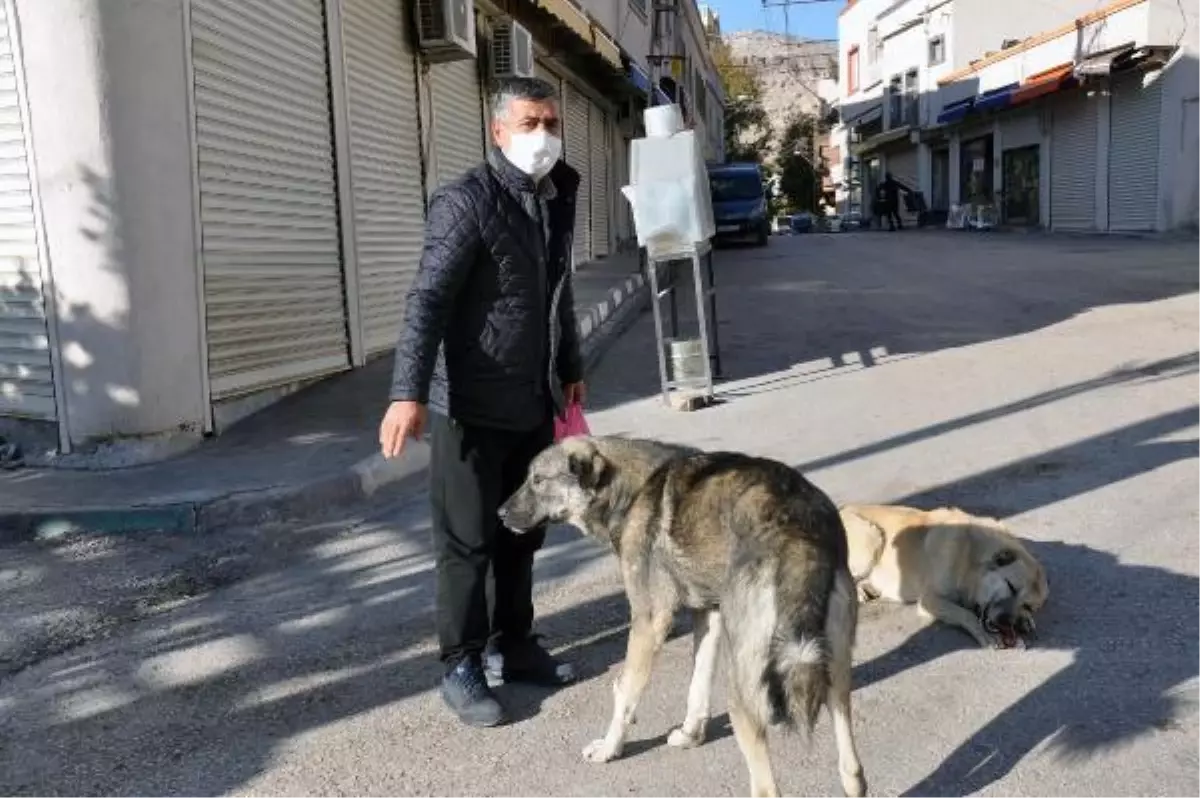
[[489, 345], [889, 193]]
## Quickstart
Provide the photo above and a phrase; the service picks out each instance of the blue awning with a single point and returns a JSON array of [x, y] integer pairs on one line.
[[639, 78], [996, 98], [952, 112]]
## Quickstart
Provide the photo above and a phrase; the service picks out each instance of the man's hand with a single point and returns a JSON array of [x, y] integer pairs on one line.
[[403, 420], [574, 392]]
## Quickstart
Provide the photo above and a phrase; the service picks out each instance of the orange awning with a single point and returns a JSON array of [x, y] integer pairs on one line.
[[1045, 82]]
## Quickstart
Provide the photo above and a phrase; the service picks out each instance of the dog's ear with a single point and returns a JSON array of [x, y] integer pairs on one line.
[[1003, 557], [591, 468]]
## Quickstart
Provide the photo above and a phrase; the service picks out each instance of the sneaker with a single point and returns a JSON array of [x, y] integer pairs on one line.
[[526, 661], [465, 690]]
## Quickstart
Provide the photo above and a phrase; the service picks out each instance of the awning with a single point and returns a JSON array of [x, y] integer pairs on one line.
[[569, 17], [952, 112], [866, 117], [661, 97], [880, 140], [639, 78], [1045, 82], [995, 99], [1100, 65]]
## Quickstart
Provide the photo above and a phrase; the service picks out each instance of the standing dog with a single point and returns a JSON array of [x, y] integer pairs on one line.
[[964, 570], [755, 551]]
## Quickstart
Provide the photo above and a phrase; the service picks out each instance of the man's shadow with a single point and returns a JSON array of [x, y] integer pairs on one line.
[[1133, 632]]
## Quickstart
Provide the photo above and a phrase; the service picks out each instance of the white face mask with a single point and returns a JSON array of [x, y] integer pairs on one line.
[[534, 153]]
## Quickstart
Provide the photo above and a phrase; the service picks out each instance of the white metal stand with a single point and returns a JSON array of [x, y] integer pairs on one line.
[[706, 316]]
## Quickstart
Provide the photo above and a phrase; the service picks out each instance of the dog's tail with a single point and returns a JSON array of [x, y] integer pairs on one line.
[[813, 600]]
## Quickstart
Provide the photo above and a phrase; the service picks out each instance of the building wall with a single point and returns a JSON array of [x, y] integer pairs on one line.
[[1179, 145], [982, 26], [110, 129]]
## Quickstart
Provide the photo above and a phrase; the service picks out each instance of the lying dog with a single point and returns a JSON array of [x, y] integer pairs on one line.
[[961, 569], [755, 551]]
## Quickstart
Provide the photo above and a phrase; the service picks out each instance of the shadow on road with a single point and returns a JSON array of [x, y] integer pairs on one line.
[[1132, 629], [199, 696], [825, 303]]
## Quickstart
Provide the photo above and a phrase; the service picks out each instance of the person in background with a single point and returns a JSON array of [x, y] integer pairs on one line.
[[488, 354], [889, 195]]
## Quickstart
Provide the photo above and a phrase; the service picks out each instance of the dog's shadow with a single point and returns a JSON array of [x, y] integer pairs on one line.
[[1133, 632], [595, 658]]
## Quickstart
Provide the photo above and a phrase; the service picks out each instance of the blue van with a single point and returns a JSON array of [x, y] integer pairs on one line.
[[739, 202]]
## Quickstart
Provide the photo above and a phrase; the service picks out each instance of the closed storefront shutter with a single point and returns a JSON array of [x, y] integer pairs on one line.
[[457, 118], [385, 163], [26, 378], [1073, 164], [903, 166], [1133, 155], [273, 287], [578, 154], [599, 170]]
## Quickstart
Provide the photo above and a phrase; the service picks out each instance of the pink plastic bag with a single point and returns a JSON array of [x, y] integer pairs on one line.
[[571, 424]]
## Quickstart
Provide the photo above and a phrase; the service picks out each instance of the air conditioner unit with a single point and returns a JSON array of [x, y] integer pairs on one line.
[[512, 50], [446, 29]]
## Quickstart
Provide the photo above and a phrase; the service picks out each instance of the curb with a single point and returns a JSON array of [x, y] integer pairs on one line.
[[598, 328]]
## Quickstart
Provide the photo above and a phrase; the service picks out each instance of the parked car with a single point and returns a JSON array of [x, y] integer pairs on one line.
[[739, 202], [802, 222]]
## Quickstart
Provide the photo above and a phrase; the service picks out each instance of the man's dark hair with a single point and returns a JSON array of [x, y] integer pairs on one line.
[[505, 90]]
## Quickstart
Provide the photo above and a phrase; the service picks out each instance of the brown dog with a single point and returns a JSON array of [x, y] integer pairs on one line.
[[964, 570]]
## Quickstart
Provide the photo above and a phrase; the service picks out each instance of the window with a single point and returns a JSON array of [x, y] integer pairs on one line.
[[639, 6], [852, 70], [895, 100], [912, 97], [872, 46], [937, 50]]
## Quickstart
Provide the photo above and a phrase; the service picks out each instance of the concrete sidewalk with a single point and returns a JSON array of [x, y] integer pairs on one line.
[[313, 450]]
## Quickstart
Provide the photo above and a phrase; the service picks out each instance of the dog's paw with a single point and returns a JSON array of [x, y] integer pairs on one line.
[[680, 738], [600, 751]]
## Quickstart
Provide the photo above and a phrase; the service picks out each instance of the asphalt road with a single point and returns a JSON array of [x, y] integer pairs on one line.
[[1050, 381]]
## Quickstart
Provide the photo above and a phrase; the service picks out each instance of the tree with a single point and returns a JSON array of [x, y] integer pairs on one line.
[[747, 128], [799, 162]]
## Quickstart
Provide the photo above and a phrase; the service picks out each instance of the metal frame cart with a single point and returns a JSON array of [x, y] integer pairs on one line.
[[693, 391]]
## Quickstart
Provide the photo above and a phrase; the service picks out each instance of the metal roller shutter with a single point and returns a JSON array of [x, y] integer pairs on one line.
[[1073, 164], [1133, 155], [457, 119], [273, 289], [26, 377], [599, 170], [578, 154], [903, 166], [385, 163]]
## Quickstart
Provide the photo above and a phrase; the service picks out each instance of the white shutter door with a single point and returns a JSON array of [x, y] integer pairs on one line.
[[273, 290], [579, 156], [385, 163], [1073, 164], [457, 118], [1133, 155], [26, 378], [599, 171]]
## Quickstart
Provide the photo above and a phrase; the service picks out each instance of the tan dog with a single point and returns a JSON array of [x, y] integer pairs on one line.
[[964, 570]]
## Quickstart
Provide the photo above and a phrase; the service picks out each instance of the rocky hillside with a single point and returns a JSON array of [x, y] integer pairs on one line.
[[790, 69]]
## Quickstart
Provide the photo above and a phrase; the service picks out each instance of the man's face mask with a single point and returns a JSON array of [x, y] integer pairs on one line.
[[528, 136]]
